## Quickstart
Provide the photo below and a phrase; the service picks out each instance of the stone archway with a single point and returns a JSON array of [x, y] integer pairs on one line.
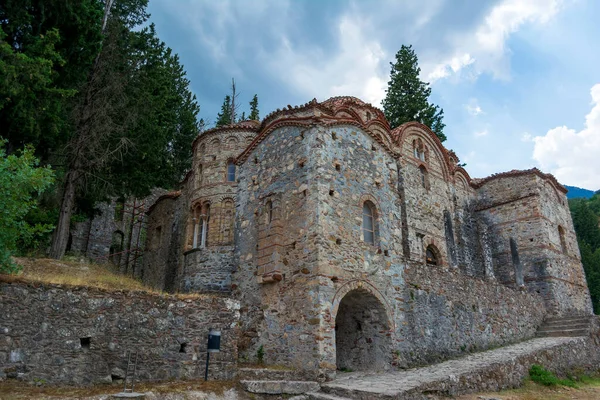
[[362, 333]]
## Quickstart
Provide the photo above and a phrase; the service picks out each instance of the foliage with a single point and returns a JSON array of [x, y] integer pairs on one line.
[[46, 50], [260, 355], [134, 119], [407, 96], [254, 115], [540, 375], [586, 221], [224, 116], [20, 181]]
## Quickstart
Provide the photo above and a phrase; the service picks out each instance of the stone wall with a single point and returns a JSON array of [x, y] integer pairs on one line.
[[443, 313], [74, 335], [116, 234], [207, 270], [276, 277], [162, 257], [533, 240]]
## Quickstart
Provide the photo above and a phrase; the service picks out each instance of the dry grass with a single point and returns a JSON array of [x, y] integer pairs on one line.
[[533, 391], [77, 273], [83, 273], [15, 390]]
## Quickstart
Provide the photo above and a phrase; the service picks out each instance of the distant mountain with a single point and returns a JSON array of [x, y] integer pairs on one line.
[[575, 192]]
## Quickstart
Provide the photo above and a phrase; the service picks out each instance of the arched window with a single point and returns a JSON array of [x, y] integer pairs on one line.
[[230, 171], [563, 242], [431, 255], [419, 149], [368, 225], [424, 177], [200, 221]]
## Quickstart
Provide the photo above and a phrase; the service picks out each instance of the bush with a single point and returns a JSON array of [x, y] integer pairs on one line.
[[540, 375], [260, 355], [21, 180]]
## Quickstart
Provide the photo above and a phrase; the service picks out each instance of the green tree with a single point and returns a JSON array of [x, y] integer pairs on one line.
[[20, 181], [585, 223], [47, 51], [224, 116], [407, 96], [254, 109], [134, 121]]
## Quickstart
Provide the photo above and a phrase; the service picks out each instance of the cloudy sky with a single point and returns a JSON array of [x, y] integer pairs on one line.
[[519, 80]]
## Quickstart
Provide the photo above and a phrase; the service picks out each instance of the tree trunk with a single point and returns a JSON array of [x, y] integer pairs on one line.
[[60, 238]]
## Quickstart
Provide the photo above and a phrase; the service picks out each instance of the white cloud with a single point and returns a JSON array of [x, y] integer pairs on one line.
[[356, 67], [485, 48], [481, 133], [473, 108], [573, 157], [527, 137]]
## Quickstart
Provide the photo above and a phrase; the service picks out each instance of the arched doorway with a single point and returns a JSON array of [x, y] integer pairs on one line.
[[362, 333]]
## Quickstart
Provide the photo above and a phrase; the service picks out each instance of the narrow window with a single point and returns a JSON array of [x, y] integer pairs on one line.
[[199, 233], [514, 252], [424, 177], [269, 207], [431, 255], [563, 242], [368, 225], [230, 172]]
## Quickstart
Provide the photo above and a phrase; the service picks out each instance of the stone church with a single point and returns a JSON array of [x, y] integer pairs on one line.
[[351, 246]]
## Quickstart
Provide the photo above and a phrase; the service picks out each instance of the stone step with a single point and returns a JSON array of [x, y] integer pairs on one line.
[[555, 323], [562, 332], [268, 374], [280, 386], [564, 326], [324, 396], [567, 319]]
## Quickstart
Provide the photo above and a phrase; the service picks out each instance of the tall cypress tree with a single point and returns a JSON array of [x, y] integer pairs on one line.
[[254, 109], [224, 117], [407, 96]]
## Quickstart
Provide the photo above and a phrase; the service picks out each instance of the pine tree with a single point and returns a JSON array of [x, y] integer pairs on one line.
[[224, 117], [254, 109], [134, 121], [242, 117], [407, 97]]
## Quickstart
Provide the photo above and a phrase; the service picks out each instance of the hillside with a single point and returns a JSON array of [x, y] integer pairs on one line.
[[578, 193]]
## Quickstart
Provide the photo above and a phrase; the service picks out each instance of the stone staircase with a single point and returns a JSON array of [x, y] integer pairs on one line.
[[565, 327], [275, 381]]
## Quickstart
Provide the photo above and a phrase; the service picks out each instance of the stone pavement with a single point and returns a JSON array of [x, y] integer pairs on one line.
[[490, 370]]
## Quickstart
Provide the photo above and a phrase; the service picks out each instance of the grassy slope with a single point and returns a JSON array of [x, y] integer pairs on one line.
[[534, 391]]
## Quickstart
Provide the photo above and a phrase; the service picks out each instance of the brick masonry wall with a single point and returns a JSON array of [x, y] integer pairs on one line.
[[42, 327]]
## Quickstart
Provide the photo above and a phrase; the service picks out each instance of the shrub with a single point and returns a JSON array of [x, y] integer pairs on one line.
[[541, 375], [21, 180], [260, 354]]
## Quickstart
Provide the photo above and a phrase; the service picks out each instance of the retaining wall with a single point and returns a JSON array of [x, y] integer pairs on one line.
[[75, 335]]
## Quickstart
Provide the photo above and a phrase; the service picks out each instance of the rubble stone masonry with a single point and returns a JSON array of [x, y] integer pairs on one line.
[[75, 335], [351, 245]]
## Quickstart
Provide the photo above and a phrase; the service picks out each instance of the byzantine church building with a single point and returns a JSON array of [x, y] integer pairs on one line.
[[350, 244]]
